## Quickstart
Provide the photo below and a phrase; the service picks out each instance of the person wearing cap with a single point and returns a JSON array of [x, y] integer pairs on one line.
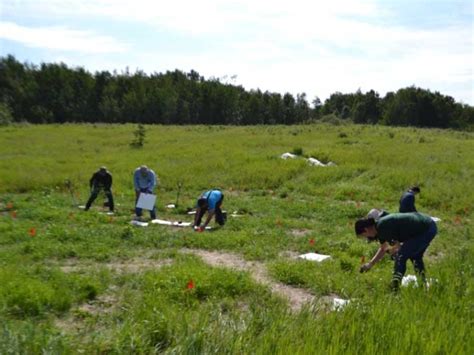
[[144, 181], [101, 180], [407, 201], [410, 233], [377, 214], [209, 201]]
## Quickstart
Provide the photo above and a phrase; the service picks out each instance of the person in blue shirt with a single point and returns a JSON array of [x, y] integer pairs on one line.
[[144, 181], [210, 202], [407, 201]]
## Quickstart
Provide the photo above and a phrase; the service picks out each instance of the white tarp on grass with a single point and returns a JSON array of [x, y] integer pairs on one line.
[[311, 161], [339, 303], [288, 156], [315, 162], [139, 223], [164, 222], [411, 280], [314, 257]]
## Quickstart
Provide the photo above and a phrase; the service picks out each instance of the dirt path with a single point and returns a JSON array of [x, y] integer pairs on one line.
[[296, 297], [134, 265]]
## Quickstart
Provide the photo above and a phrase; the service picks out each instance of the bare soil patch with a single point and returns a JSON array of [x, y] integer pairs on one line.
[[296, 297], [300, 232], [128, 266]]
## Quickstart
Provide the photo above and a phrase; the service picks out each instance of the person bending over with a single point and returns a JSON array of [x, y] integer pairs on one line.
[[410, 233], [210, 202], [101, 180]]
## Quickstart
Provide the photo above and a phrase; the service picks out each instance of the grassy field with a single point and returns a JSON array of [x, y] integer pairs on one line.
[[85, 282]]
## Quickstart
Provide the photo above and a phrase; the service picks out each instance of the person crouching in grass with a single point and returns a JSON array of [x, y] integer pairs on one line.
[[409, 233], [210, 202]]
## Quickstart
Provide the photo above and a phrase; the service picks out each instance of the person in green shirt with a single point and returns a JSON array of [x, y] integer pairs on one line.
[[409, 233]]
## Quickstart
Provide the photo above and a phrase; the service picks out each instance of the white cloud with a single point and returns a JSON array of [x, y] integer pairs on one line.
[[276, 45], [60, 38]]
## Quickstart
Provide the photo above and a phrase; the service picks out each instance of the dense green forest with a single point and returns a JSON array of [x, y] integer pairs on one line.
[[56, 93]]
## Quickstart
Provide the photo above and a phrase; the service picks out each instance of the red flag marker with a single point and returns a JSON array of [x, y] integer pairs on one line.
[[457, 220], [32, 232], [190, 285], [13, 214], [10, 205], [311, 241]]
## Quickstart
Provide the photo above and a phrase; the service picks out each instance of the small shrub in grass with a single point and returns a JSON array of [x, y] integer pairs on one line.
[[297, 151], [346, 265], [139, 135], [127, 233], [89, 292], [342, 135]]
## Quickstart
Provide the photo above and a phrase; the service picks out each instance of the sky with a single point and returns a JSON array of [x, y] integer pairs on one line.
[[298, 46]]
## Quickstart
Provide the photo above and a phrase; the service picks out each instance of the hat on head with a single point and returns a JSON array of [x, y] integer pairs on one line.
[[375, 214], [415, 189]]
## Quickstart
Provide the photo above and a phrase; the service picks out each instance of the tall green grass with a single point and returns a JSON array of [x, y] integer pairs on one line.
[[64, 289]]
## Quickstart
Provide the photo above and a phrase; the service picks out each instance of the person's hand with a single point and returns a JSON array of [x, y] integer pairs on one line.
[[366, 267]]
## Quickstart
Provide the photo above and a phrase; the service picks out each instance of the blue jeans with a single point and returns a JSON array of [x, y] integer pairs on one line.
[[413, 249], [138, 211]]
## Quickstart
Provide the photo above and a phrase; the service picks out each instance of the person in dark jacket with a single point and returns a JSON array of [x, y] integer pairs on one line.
[[210, 202], [409, 233], [101, 180], [407, 201]]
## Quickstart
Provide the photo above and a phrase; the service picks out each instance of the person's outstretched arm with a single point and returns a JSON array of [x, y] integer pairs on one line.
[[376, 258], [210, 214]]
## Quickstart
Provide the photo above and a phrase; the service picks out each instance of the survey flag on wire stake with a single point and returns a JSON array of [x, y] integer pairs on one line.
[[146, 201]]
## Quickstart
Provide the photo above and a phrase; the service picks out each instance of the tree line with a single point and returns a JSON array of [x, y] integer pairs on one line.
[[56, 93]]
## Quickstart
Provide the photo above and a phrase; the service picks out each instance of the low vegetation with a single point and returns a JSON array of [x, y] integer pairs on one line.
[[86, 282]]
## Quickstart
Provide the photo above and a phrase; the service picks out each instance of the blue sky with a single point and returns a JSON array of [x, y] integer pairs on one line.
[[315, 47]]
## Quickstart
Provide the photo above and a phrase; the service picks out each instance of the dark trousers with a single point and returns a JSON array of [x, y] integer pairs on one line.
[[413, 249], [95, 192], [220, 218], [138, 211]]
